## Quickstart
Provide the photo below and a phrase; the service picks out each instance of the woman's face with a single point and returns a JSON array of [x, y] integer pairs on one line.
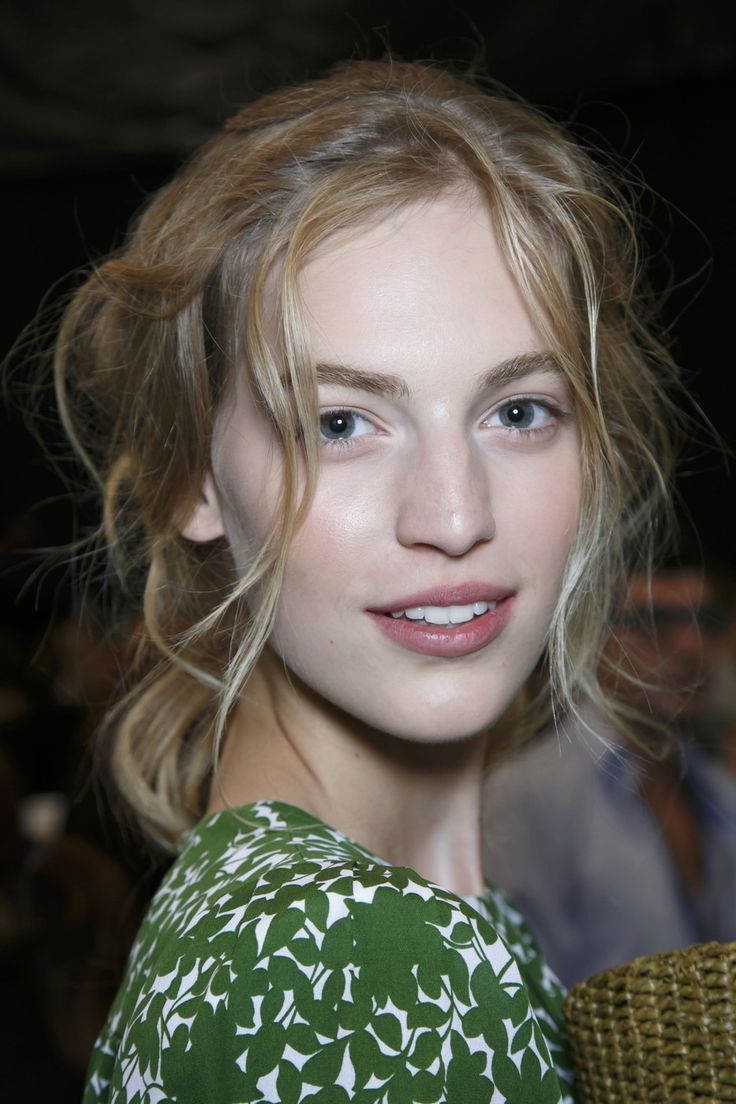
[[419, 590]]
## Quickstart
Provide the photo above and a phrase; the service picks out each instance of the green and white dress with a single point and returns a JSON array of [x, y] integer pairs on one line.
[[282, 962]]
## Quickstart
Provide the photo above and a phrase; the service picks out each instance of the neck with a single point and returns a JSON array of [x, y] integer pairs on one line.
[[413, 804]]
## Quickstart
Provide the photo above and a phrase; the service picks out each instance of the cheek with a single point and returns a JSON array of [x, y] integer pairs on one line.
[[538, 511], [332, 547]]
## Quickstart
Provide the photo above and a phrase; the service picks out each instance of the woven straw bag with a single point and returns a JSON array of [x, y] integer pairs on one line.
[[659, 1030]]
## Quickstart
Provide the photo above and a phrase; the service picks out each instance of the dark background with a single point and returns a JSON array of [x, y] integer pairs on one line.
[[99, 103]]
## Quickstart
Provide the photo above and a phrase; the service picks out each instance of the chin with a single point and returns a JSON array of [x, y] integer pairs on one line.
[[447, 725]]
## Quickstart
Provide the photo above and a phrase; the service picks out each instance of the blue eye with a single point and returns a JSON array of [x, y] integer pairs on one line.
[[343, 426], [519, 414], [337, 424], [525, 415]]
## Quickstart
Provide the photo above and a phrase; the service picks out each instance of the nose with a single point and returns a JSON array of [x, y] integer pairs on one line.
[[445, 498]]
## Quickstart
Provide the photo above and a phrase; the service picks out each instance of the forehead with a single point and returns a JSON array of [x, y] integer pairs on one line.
[[429, 281]]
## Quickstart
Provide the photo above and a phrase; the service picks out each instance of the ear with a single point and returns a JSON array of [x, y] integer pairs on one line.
[[205, 521]]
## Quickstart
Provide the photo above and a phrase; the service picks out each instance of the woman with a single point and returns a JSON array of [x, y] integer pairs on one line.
[[377, 427]]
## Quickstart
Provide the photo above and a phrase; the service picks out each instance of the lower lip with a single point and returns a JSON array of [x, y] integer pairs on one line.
[[446, 641]]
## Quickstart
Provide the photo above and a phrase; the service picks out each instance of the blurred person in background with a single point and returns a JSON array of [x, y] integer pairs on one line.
[[716, 721], [611, 852]]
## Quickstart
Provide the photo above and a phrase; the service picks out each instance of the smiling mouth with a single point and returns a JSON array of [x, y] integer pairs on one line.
[[447, 631], [443, 615]]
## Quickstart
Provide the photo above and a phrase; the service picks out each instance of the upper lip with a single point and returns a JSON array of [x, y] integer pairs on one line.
[[462, 595]]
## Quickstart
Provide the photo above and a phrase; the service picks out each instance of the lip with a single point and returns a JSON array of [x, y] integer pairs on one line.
[[461, 595], [447, 641]]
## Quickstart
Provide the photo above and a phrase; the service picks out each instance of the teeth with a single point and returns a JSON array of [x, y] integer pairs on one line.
[[445, 615], [460, 614]]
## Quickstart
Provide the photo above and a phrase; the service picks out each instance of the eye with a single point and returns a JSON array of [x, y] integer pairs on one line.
[[525, 414], [342, 426]]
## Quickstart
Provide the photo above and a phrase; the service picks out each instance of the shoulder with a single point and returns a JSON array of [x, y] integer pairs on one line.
[[349, 974]]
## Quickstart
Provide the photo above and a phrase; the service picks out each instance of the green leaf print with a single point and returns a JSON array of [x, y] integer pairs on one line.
[[388, 1030], [265, 1049], [477, 1022], [318, 1014], [283, 928], [289, 1083], [531, 1071], [337, 946], [393, 935], [428, 1015], [241, 1011], [303, 1038], [457, 975], [427, 1088], [400, 1087], [247, 948], [539, 1039], [258, 982], [508, 1078], [465, 1080], [273, 1005], [522, 1038], [518, 1006], [366, 974], [426, 1049], [461, 933], [334, 989], [333, 1094], [323, 1067], [429, 980], [368, 1059], [304, 951], [484, 986], [284, 973], [343, 887], [317, 909], [356, 1013]]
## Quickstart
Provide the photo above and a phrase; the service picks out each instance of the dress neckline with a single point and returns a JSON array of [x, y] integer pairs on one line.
[[270, 813]]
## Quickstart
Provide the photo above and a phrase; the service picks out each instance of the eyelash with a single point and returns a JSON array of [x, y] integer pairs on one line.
[[340, 442], [551, 408]]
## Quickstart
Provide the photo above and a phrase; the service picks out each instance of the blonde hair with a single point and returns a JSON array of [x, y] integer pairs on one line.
[[149, 345]]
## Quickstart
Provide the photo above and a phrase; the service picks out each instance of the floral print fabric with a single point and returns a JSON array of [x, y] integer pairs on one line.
[[281, 962]]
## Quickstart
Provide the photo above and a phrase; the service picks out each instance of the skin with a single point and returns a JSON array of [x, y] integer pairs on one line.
[[432, 489]]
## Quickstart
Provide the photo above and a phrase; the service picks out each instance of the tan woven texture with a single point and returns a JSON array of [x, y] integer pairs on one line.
[[659, 1030]]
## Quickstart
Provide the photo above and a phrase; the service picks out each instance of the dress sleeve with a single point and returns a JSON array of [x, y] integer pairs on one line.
[[361, 983], [546, 993]]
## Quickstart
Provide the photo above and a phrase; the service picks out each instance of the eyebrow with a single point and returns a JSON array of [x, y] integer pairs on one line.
[[385, 383]]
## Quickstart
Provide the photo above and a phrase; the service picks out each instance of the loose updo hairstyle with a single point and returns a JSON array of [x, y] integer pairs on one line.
[[150, 344]]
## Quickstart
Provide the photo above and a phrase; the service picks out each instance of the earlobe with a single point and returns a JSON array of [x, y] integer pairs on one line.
[[205, 521]]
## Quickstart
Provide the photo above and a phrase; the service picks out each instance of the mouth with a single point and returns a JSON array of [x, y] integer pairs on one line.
[[444, 615], [447, 623]]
